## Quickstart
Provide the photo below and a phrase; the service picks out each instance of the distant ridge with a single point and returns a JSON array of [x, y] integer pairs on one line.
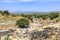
[[27, 12], [31, 12]]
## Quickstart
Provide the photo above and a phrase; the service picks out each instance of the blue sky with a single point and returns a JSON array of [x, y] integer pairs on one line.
[[30, 5]]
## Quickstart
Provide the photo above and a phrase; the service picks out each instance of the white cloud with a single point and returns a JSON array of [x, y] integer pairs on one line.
[[7, 1], [41, 1], [26, 0]]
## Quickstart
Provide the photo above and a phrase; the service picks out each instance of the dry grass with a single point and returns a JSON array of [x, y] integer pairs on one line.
[[9, 18]]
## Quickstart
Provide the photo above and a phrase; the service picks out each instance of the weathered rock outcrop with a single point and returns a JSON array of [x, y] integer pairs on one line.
[[23, 34], [49, 33], [46, 34]]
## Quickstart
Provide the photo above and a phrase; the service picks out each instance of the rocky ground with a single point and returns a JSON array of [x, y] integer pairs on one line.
[[48, 31], [52, 32]]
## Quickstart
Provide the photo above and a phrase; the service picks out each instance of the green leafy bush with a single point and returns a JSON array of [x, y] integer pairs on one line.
[[22, 23], [6, 12]]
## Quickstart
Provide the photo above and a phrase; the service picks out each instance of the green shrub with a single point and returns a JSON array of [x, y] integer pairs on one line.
[[29, 17], [7, 38], [53, 15], [22, 22], [44, 16], [6, 12]]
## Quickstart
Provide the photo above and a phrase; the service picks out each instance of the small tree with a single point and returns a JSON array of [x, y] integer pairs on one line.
[[6, 12], [22, 23]]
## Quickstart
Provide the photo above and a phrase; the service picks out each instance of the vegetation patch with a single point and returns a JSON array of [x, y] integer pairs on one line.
[[23, 23]]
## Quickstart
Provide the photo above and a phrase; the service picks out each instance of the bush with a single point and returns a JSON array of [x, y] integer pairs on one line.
[[29, 17], [44, 16], [6, 12], [22, 23], [54, 15], [7, 38]]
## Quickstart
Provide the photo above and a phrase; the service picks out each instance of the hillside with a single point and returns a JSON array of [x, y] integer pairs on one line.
[[39, 28]]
